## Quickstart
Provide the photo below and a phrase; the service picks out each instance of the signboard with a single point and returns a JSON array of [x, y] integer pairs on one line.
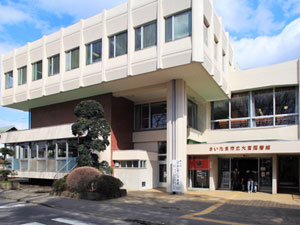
[[177, 176], [254, 147], [197, 163]]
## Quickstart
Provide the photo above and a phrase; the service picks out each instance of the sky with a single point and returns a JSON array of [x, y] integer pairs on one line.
[[262, 32]]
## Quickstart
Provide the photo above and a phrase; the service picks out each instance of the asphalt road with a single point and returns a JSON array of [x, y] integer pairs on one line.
[[20, 213]]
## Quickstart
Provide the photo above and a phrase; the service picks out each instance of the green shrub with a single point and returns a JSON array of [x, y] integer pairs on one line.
[[60, 185], [107, 186], [79, 180]]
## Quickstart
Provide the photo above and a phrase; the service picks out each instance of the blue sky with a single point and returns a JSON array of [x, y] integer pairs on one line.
[[262, 32]]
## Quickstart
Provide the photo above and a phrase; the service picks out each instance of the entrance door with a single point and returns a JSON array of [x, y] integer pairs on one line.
[[288, 179], [265, 174], [162, 164], [224, 173]]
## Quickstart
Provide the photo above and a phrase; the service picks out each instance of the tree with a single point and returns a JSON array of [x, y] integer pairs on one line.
[[4, 153], [93, 130]]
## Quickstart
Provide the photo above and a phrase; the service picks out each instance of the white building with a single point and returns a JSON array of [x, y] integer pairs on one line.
[[163, 71]]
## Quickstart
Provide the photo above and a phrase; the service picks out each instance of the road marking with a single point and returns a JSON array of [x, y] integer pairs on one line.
[[71, 221], [211, 209], [34, 223], [11, 206]]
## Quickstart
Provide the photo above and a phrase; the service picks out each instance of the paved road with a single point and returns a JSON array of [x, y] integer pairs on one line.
[[18, 213]]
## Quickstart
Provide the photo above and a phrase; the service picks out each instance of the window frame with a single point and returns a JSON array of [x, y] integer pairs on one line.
[[251, 112], [142, 27], [115, 44], [69, 59], [35, 70], [124, 164], [21, 76], [51, 65], [195, 123], [91, 46], [172, 17], [9, 79]]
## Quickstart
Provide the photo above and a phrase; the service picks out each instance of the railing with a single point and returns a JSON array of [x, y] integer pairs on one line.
[[69, 166]]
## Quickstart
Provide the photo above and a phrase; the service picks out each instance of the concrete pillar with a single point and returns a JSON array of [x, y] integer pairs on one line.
[[176, 131], [274, 174], [213, 172]]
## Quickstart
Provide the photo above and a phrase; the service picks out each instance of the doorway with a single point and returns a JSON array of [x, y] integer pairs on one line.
[[288, 173]]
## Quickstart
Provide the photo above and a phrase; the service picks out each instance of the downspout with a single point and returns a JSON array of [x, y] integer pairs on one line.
[[173, 119]]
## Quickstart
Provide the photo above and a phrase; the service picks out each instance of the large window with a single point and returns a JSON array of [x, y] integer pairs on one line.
[[53, 65], [118, 45], [130, 164], [178, 26], [72, 59], [22, 75], [268, 107], [192, 115], [145, 36], [8, 80], [93, 52], [37, 70], [151, 116]]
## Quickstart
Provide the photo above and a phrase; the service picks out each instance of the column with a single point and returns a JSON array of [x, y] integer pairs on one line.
[[274, 174], [176, 134]]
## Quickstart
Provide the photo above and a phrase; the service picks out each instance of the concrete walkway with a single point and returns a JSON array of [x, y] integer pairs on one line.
[[158, 207]]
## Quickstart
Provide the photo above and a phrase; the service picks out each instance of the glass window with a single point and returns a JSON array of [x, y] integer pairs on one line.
[[223, 60], [93, 52], [72, 59], [33, 150], [285, 99], [53, 65], [61, 149], [145, 36], [118, 45], [240, 109], [192, 115], [162, 150], [72, 147], [158, 115], [220, 111], [41, 149], [216, 48], [178, 26], [263, 102], [37, 70], [8, 80], [22, 75], [51, 149]]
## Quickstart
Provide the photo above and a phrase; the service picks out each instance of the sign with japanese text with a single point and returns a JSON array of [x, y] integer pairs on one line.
[[240, 148], [176, 175]]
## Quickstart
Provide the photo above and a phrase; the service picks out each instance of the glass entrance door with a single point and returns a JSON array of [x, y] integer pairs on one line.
[[224, 173], [265, 174], [162, 164], [288, 176]]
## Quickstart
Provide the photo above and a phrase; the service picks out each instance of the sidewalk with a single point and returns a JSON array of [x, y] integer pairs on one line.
[[155, 205]]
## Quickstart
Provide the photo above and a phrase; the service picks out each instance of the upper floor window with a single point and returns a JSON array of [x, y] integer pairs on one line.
[[268, 107], [37, 70], [93, 52], [178, 26], [145, 36], [192, 114], [9, 80], [72, 59], [53, 65], [22, 75], [205, 31], [151, 116], [223, 60], [216, 47], [118, 45]]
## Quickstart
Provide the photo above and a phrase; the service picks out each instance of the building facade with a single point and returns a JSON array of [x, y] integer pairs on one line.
[[181, 116]]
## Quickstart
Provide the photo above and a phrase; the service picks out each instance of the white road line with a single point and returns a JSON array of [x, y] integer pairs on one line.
[[71, 221], [11, 206], [34, 223]]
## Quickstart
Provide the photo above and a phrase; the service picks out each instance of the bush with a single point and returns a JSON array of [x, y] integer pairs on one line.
[[60, 185], [79, 180], [107, 186]]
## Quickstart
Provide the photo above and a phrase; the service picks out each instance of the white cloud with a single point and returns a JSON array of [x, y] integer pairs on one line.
[[78, 9], [239, 16], [291, 7], [11, 15], [266, 50]]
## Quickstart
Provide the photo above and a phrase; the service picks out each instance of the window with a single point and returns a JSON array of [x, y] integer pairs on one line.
[[118, 45], [223, 60], [37, 70], [93, 52], [261, 108], [205, 31], [192, 115], [178, 26], [162, 150], [151, 116], [72, 59], [145, 36], [130, 164], [22, 75], [216, 48], [8, 80], [53, 65]]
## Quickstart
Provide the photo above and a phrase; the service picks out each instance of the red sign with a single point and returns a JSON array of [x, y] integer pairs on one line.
[[240, 148], [199, 163]]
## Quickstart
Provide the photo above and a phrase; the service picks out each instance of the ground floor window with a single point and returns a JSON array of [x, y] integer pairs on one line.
[[288, 173], [198, 173]]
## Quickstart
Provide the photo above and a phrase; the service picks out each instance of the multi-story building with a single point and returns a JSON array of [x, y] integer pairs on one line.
[[181, 116]]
